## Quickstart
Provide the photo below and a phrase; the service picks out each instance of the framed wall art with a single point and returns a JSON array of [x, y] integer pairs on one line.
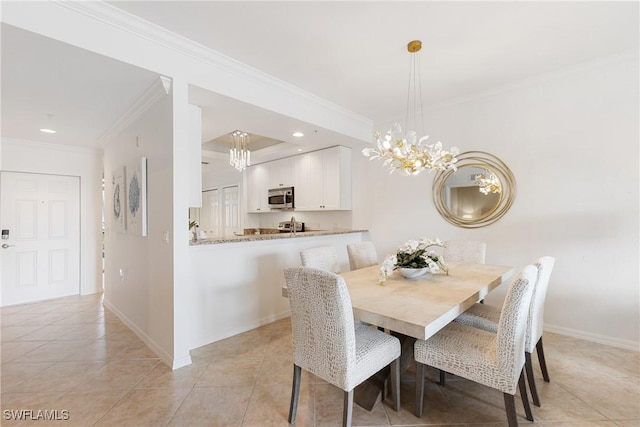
[[137, 197], [118, 205]]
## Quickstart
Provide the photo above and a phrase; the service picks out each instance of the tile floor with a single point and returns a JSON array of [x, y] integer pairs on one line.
[[72, 356]]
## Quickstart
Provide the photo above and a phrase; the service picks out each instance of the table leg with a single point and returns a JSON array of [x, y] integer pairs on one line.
[[369, 392]]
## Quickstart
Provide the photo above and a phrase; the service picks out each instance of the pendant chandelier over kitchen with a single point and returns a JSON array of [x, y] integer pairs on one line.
[[408, 152], [239, 154]]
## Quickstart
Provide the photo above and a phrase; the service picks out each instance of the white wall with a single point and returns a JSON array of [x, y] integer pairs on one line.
[[143, 297], [571, 139], [41, 157], [235, 287]]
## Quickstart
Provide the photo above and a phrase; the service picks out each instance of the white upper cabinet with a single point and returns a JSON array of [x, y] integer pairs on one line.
[[257, 187], [303, 192], [281, 173], [323, 180]]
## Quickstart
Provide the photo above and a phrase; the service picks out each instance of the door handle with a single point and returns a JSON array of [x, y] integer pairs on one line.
[[5, 246]]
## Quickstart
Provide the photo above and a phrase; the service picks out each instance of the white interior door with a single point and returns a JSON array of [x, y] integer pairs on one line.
[[210, 213], [41, 257], [231, 212]]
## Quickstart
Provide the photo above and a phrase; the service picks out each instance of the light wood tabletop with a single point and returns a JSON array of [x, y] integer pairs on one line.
[[420, 307]]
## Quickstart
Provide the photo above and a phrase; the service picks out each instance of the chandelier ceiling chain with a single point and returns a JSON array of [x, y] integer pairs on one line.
[[408, 152], [415, 83], [239, 153]]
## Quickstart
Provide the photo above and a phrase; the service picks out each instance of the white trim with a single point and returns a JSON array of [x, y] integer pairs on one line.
[[210, 154], [538, 79], [158, 89], [132, 24], [241, 328], [166, 84], [597, 338], [164, 356], [49, 145]]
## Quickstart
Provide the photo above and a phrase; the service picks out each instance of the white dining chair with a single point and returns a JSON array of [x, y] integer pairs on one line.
[[494, 360], [362, 254], [322, 257], [464, 251], [327, 344], [486, 317]]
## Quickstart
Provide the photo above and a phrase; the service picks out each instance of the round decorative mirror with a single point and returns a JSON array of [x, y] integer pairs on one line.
[[478, 193]]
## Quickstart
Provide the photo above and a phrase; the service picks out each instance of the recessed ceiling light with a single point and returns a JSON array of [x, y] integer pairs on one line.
[[298, 134], [299, 149], [47, 130]]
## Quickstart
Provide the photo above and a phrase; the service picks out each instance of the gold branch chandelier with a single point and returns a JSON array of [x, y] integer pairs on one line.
[[407, 152], [239, 154]]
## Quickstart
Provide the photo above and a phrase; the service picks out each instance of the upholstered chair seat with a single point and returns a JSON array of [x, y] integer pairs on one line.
[[486, 317], [322, 257], [361, 255], [327, 342], [464, 251], [494, 360]]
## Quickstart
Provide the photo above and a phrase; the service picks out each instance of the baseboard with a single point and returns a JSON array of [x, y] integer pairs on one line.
[[244, 328], [163, 355], [597, 338]]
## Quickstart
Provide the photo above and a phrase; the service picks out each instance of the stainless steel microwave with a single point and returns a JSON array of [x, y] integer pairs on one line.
[[281, 198]]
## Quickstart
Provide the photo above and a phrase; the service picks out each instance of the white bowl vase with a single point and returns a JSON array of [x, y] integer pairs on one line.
[[412, 273]]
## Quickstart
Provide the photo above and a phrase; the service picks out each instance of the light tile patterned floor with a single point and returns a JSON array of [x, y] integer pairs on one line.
[[72, 356]]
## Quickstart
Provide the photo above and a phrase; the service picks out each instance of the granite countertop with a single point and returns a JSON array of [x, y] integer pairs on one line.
[[268, 234]]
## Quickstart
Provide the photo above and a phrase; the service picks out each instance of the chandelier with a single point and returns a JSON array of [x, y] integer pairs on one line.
[[239, 154], [488, 184], [408, 152]]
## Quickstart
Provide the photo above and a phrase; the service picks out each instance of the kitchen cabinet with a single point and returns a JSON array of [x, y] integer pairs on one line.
[[303, 191], [281, 173], [257, 186], [323, 180]]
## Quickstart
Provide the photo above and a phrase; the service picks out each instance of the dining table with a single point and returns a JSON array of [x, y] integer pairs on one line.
[[422, 306], [415, 308]]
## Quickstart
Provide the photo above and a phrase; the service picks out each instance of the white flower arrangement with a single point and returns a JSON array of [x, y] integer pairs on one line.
[[414, 254]]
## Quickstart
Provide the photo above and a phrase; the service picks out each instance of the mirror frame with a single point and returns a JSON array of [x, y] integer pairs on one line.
[[492, 164]]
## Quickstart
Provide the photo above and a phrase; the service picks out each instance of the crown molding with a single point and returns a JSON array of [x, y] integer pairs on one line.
[[47, 145], [158, 89], [210, 154], [139, 27], [563, 73], [582, 67]]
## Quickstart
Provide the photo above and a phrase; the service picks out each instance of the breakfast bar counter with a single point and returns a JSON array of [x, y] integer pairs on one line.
[[270, 235], [234, 284]]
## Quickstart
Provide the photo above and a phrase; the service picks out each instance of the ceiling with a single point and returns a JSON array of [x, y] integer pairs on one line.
[[350, 53], [49, 84]]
